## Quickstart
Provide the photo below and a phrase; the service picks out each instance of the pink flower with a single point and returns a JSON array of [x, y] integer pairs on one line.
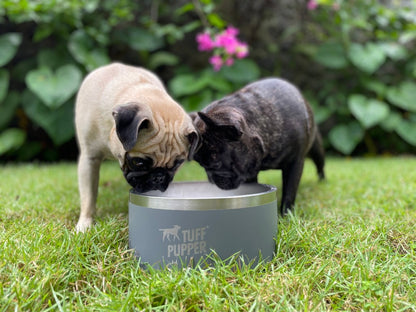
[[205, 43], [312, 5], [232, 31], [241, 50], [225, 46], [216, 62], [226, 41]]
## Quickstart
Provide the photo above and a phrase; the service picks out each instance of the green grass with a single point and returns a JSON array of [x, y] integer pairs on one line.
[[350, 246]]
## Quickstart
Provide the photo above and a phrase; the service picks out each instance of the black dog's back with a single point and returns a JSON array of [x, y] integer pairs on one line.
[[277, 110]]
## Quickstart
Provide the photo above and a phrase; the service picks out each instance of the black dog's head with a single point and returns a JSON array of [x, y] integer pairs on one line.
[[228, 150]]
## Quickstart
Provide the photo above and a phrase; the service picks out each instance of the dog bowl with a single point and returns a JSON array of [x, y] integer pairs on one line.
[[191, 219]]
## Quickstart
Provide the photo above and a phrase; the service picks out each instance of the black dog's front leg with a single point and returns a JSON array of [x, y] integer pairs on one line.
[[291, 174]]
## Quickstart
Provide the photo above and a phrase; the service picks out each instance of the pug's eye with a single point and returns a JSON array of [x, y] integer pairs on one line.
[[140, 164]]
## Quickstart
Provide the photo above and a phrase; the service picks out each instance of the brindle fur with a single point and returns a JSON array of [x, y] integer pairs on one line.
[[265, 125]]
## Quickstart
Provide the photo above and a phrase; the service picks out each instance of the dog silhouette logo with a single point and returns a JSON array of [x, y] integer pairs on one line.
[[170, 233]]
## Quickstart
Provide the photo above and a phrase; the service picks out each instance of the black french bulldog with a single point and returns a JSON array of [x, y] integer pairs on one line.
[[265, 125]]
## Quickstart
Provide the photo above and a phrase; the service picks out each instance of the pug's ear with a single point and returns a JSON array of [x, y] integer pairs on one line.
[[193, 139], [193, 115], [229, 131], [130, 119]]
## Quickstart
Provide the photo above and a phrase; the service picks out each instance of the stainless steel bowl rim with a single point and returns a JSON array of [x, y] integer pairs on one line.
[[206, 203]]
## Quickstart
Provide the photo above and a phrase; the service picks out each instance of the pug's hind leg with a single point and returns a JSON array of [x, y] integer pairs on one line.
[[291, 177], [88, 177]]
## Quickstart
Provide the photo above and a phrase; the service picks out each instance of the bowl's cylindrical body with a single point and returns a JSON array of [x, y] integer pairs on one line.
[[191, 219]]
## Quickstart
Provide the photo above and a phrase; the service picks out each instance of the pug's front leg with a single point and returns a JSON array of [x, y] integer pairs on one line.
[[88, 177]]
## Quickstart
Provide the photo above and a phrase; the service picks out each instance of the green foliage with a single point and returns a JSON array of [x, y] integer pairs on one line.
[[4, 83], [82, 48], [54, 89], [365, 49], [196, 90], [369, 48], [345, 137], [56, 121], [11, 139], [66, 40], [9, 44], [369, 112]]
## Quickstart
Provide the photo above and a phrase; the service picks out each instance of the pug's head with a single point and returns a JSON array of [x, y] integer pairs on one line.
[[153, 144], [229, 152]]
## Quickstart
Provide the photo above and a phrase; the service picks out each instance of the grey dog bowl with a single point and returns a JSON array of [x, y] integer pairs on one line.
[[191, 219]]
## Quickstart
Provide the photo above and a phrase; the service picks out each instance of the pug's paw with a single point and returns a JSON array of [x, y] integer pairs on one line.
[[84, 224]]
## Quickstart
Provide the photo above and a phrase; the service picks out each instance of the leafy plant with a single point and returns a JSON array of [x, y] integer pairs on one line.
[[370, 48], [10, 139], [363, 50], [196, 90], [52, 45]]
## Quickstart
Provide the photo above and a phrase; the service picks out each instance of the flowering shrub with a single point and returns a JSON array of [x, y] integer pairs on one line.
[[225, 46]]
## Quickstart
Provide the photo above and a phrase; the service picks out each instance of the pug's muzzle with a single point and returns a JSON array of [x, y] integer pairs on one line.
[[157, 179], [141, 175]]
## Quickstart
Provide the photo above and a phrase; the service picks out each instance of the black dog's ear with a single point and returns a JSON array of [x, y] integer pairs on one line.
[[193, 139], [230, 132], [130, 119], [207, 120]]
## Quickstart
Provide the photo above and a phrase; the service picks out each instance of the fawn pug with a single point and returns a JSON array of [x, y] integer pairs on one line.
[[124, 112]]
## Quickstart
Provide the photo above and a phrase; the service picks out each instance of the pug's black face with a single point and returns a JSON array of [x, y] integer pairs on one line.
[[143, 177]]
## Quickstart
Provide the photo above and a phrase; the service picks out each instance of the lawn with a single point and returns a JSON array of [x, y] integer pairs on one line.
[[351, 246]]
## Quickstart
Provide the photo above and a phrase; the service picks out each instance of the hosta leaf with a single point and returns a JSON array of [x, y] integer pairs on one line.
[[11, 139], [86, 51], [368, 57], [331, 54], [346, 137], [58, 123], [407, 131], [54, 88], [9, 43], [403, 95], [369, 112]]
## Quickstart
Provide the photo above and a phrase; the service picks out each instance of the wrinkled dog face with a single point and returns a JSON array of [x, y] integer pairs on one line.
[[141, 174], [154, 148]]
